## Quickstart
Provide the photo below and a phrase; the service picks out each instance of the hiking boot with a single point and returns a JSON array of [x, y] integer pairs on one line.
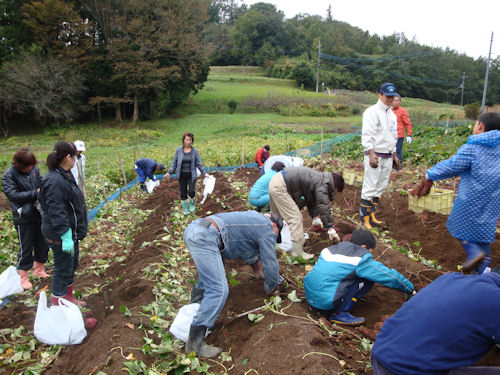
[[39, 271], [344, 318], [474, 256], [185, 207], [192, 205], [197, 344], [297, 250], [373, 219], [364, 214], [25, 280]]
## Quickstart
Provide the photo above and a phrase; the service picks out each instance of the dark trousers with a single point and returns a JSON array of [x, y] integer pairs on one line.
[[399, 149], [64, 269], [32, 246], [186, 181]]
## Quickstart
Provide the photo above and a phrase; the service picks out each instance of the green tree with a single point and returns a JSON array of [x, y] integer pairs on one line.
[[14, 35]]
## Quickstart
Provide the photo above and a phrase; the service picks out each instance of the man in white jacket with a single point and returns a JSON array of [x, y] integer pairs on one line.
[[78, 169], [378, 137]]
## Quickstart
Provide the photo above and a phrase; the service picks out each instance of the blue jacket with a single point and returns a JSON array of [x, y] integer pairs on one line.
[[177, 162], [148, 166], [261, 186], [246, 235], [450, 323], [475, 212], [341, 265]]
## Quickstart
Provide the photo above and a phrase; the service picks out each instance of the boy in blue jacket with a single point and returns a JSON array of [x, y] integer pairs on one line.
[[475, 212], [346, 272]]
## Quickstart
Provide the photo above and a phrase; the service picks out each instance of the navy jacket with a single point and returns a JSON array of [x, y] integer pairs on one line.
[[450, 323], [148, 166], [20, 189], [195, 162]]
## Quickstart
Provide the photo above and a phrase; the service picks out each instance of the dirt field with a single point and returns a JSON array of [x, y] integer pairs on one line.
[[292, 340]]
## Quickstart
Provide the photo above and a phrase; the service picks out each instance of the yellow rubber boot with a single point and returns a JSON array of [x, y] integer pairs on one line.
[[373, 207], [364, 214]]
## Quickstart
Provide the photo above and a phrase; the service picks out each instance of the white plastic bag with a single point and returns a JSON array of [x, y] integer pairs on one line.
[[286, 238], [209, 183], [10, 282], [151, 185], [182, 322], [59, 325]]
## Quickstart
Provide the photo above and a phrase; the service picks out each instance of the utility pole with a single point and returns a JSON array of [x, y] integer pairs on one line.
[[319, 61], [486, 76], [462, 87]]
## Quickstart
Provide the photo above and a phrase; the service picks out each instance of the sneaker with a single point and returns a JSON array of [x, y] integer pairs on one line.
[[344, 318]]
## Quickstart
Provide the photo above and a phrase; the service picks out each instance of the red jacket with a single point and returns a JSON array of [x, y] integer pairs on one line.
[[261, 156], [403, 121]]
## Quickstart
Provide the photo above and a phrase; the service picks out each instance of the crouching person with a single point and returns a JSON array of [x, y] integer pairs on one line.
[[249, 236], [346, 272]]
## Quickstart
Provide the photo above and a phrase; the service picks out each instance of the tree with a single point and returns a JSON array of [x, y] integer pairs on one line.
[[14, 35]]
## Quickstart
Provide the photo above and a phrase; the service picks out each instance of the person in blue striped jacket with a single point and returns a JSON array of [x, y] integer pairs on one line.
[[346, 272]]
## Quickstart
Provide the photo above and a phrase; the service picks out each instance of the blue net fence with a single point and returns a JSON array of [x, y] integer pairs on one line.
[[307, 152]]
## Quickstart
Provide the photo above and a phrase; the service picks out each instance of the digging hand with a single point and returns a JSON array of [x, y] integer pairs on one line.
[[373, 158], [317, 224], [396, 163], [422, 189], [332, 235]]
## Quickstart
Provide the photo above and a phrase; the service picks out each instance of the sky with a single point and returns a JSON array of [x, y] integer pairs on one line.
[[464, 26]]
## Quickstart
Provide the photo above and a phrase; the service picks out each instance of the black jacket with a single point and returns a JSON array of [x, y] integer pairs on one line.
[[20, 189], [312, 188], [63, 206]]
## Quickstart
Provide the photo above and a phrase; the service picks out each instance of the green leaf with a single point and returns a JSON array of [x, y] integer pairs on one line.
[[292, 296], [125, 310], [244, 361]]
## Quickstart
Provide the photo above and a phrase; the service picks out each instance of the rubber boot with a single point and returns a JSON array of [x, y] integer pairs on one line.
[[192, 204], [185, 207], [197, 344], [297, 250], [69, 297], [197, 294], [474, 256], [25, 280], [39, 271], [364, 214], [143, 188], [373, 219]]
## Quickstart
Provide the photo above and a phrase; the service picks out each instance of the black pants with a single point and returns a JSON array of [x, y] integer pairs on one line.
[[32, 246], [65, 265], [185, 180]]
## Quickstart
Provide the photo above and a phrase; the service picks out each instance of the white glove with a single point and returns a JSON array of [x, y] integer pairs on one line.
[[408, 140], [317, 221], [332, 235]]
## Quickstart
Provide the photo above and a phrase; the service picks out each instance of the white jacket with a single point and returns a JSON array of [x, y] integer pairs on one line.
[[380, 129], [74, 170]]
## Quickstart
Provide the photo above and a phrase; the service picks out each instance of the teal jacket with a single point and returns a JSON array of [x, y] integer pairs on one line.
[[261, 186]]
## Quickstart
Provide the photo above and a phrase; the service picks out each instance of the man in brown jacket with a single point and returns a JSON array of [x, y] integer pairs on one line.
[[295, 187]]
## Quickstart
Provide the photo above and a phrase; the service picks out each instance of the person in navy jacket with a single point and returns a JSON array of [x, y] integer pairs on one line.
[[346, 272], [145, 167]]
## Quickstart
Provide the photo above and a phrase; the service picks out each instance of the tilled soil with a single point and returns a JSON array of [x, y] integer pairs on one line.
[[289, 341]]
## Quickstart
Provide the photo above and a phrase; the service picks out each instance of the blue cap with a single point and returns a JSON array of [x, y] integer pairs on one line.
[[388, 89]]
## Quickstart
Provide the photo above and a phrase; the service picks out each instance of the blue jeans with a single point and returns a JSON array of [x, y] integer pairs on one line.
[[399, 149], [203, 245], [64, 269], [357, 290], [141, 174]]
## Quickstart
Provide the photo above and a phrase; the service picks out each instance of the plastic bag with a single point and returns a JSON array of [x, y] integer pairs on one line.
[[59, 325], [182, 322], [151, 185], [10, 282], [209, 183], [286, 238]]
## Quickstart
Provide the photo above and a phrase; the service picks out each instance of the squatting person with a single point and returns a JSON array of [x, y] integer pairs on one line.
[[259, 192], [249, 236]]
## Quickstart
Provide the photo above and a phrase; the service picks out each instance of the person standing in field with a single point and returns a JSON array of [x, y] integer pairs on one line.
[[21, 184], [378, 137], [78, 169], [404, 123], [261, 156], [64, 219], [186, 160], [474, 216]]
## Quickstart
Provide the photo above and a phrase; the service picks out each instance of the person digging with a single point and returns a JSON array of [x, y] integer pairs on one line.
[[146, 167], [346, 272], [248, 236]]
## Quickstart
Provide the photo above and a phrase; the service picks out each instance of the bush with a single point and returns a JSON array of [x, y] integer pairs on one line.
[[472, 111], [232, 104]]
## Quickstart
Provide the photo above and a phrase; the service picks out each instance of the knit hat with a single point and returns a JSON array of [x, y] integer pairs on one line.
[[362, 237]]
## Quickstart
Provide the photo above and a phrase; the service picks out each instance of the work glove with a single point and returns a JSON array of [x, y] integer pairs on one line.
[[373, 158], [317, 224], [68, 246], [408, 140], [332, 235], [422, 189], [396, 163]]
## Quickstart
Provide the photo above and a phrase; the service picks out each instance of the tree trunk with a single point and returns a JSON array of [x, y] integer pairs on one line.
[[99, 115], [4, 125], [118, 112], [135, 116]]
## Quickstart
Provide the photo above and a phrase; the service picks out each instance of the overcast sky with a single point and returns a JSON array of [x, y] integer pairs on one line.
[[464, 26]]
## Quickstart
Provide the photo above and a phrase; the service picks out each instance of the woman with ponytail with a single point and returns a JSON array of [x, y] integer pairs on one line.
[[64, 219]]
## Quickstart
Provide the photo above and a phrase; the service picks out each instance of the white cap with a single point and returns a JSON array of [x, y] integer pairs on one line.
[[80, 146]]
